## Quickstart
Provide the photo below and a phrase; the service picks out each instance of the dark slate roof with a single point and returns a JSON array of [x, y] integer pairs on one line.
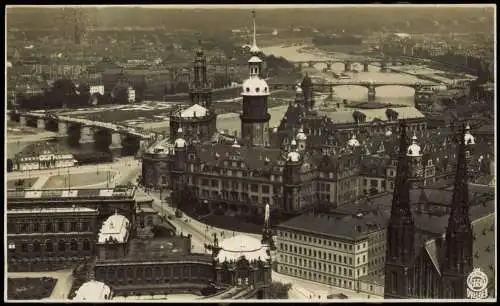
[[253, 157], [437, 224], [347, 227], [483, 246]]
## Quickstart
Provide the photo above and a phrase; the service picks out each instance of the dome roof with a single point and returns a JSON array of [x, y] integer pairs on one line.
[[293, 143], [301, 135], [388, 133], [468, 138], [254, 49], [180, 142], [242, 245], [293, 156], [255, 86], [298, 89], [255, 59], [353, 142], [115, 227], [414, 148]]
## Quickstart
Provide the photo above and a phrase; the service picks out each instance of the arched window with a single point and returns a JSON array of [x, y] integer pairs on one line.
[[74, 245], [62, 246], [49, 246], [36, 246], [85, 226], [130, 273], [60, 226], [86, 245], [36, 227], [147, 272], [24, 247], [74, 227], [48, 227], [257, 89], [121, 273]]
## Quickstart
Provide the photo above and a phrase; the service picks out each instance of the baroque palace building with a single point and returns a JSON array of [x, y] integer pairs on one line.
[[312, 158]]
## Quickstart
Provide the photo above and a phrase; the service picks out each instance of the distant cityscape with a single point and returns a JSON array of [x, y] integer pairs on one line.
[[255, 162]]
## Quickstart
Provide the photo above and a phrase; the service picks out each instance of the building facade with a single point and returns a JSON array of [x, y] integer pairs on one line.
[[41, 239], [333, 250]]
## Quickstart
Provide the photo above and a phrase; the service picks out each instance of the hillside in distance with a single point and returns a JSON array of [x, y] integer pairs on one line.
[[413, 19]]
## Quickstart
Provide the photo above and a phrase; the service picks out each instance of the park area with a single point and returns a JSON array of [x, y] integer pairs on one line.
[[21, 183], [30, 288], [79, 179]]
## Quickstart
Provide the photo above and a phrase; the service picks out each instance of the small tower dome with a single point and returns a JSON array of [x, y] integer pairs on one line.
[[468, 138], [414, 148], [301, 136], [298, 89], [293, 143], [353, 142], [179, 142], [275, 129], [235, 144], [388, 133], [293, 156]]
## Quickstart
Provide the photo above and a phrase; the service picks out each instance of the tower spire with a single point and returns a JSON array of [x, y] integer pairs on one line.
[[254, 49], [400, 229], [459, 231], [401, 195]]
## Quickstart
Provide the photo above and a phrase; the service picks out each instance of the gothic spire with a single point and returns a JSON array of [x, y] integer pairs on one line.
[[401, 196], [459, 230]]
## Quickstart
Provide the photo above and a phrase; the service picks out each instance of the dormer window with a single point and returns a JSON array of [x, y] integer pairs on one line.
[[265, 89], [248, 89], [257, 89]]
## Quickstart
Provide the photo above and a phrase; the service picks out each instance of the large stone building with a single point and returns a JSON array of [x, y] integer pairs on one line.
[[133, 265], [312, 158], [55, 228], [40, 156], [44, 238], [334, 250], [434, 261]]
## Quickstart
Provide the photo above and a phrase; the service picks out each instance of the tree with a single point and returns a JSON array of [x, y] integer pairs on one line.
[[279, 291]]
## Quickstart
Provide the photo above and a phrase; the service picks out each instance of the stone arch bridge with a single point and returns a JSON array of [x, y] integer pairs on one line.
[[370, 85], [80, 131], [383, 63]]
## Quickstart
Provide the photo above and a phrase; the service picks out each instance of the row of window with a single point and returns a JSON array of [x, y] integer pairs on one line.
[[148, 273], [341, 258], [317, 277], [49, 227], [48, 246], [320, 266], [319, 241], [236, 185]]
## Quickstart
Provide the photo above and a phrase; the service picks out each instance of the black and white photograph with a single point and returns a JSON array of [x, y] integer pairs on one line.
[[220, 153]]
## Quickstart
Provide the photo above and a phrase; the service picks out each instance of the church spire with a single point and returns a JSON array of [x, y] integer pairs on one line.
[[401, 195], [400, 229], [458, 262], [254, 49]]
